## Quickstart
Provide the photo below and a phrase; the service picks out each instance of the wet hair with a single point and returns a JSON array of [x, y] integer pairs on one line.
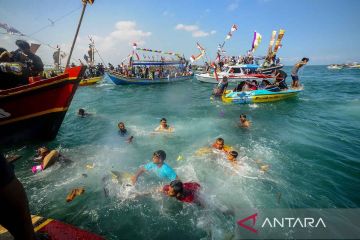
[[305, 59], [161, 154], [177, 185], [81, 111], [121, 123], [163, 119], [234, 154], [220, 140], [243, 115]]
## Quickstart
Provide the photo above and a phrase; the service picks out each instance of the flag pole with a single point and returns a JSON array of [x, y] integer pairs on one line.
[[77, 32]]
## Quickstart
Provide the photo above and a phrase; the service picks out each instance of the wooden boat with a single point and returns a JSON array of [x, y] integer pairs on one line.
[[120, 79], [36, 110], [54, 229]]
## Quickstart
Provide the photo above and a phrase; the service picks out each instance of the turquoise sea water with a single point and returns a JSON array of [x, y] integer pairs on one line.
[[311, 144]]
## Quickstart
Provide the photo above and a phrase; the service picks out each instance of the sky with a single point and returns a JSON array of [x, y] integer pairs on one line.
[[326, 31]]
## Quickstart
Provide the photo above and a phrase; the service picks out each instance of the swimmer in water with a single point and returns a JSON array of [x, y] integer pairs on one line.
[[164, 127], [157, 166], [184, 192], [219, 144], [123, 132], [82, 113], [244, 122]]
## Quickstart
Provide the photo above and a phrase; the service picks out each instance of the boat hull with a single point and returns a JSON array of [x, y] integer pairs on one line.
[[121, 80], [257, 96], [269, 70], [90, 81], [35, 111], [207, 78]]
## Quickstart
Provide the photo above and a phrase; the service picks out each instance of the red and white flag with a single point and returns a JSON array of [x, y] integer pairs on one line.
[[234, 28]]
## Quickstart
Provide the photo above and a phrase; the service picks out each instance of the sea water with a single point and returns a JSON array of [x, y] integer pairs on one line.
[[311, 144]]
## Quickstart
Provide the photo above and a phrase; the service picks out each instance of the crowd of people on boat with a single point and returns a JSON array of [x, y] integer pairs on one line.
[[17, 66], [151, 72]]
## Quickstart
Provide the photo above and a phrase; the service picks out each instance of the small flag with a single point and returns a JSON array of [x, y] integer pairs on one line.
[[234, 28]]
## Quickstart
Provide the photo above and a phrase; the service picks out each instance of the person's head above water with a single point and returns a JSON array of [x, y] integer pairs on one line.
[[219, 144], [175, 188], [121, 126], [159, 156], [242, 117], [42, 151], [232, 156], [81, 112], [163, 122]]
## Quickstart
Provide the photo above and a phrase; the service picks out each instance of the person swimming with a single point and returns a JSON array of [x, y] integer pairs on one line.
[[122, 129], [244, 122], [219, 144], [184, 192], [164, 127], [158, 167], [82, 113], [47, 158]]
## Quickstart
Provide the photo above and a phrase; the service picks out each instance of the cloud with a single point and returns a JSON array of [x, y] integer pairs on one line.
[[117, 44], [194, 29], [233, 6]]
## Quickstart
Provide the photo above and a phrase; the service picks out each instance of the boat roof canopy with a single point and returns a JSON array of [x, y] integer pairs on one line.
[[156, 63]]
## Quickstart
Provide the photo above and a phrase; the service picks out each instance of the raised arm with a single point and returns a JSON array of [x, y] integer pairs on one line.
[[137, 174]]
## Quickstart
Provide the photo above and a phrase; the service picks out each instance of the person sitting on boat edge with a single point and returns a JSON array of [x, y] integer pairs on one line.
[[184, 192], [157, 166], [244, 122], [294, 72], [164, 127], [280, 79]]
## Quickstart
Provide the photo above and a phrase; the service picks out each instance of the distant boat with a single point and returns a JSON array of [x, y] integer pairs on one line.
[[335, 66], [93, 74], [121, 79], [354, 65], [234, 73]]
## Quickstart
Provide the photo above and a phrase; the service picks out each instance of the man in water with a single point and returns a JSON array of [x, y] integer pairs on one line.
[[123, 132], [164, 127], [294, 72], [82, 113], [219, 144], [157, 166], [184, 192], [221, 87], [244, 122], [122, 129]]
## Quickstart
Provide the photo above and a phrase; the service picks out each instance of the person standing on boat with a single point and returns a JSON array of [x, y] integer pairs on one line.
[[294, 72]]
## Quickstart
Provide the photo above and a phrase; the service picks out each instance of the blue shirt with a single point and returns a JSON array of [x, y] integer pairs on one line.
[[164, 172]]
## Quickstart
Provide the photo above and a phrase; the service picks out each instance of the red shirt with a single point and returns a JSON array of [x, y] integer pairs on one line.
[[190, 190]]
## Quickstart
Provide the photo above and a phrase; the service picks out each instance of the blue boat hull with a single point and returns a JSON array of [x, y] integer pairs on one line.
[[121, 80]]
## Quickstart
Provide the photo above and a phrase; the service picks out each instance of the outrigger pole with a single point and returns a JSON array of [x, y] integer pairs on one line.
[[84, 2]]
